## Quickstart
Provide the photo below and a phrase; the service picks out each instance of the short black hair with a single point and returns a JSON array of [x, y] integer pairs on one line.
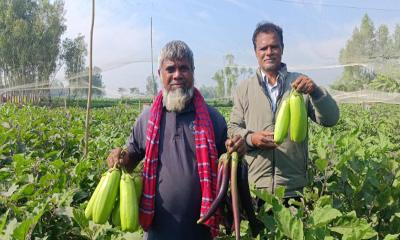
[[267, 27]]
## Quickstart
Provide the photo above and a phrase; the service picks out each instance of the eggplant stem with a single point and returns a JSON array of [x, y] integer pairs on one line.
[[234, 192]]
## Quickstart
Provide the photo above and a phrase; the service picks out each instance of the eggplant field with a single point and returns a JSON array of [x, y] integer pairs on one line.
[[75, 76], [354, 175]]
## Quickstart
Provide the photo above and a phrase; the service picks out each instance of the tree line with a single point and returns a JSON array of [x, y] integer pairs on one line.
[[32, 50], [226, 79], [374, 54]]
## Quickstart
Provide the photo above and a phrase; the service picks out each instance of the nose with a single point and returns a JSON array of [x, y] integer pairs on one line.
[[177, 74], [268, 51]]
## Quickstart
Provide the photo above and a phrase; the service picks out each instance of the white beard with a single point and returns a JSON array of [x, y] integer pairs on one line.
[[176, 100]]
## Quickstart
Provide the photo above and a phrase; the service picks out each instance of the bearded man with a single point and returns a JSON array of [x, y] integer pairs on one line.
[[180, 138]]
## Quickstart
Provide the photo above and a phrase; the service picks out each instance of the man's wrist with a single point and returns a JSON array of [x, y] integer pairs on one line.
[[317, 93], [249, 142], [124, 152]]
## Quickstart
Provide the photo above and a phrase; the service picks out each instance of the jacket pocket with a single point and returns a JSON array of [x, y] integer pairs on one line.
[[260, 168]]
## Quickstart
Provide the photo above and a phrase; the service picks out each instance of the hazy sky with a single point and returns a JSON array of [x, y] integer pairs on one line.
[[314, 31]]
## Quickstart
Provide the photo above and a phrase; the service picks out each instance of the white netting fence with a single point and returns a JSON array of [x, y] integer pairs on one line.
[[366, 96]]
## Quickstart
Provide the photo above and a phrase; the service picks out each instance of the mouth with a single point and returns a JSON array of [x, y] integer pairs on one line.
[[176, 85]]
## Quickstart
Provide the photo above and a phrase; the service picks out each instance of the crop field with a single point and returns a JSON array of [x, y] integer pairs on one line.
[[45, 182]]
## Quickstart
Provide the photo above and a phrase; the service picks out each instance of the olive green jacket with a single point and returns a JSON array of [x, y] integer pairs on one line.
[[252, 111]]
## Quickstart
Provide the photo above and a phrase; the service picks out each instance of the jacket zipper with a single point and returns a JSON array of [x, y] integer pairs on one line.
[[273, 120], [278, 100]]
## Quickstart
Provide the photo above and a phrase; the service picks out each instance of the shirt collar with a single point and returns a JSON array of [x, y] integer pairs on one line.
[[282, 72]]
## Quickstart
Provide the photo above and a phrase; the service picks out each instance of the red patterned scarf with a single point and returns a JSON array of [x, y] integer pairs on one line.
[[206, 156]]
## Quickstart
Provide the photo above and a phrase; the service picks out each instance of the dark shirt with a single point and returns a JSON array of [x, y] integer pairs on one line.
[[178, 191]]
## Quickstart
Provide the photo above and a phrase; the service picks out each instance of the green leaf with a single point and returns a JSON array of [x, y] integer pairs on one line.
[[58, 163], [321, 150], [323, 201], [291, 226], [22, 230], [10, 227], [392, 236], [321, 164], [264, 195], [316, 233], [5, 173], [22, 164], [27, 226], [24, 191], [6, 125], [52, 154], [280, 192], [352, 227], [10, 191], [323, 216], [79, 217], [3, 220], [268, 221]]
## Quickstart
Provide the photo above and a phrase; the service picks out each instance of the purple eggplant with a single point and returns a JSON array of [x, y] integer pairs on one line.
[[221, 194], [256, 226]]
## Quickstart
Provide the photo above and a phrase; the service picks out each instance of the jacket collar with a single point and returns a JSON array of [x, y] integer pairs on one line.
[[282, 73]]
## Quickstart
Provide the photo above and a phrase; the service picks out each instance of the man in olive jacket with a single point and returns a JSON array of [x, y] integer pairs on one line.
[[256, 103]]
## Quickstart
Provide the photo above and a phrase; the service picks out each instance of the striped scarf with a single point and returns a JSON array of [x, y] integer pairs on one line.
[[206, 156]]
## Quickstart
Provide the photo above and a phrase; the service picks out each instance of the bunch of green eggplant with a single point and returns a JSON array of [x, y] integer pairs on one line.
[[293, 114], [116, 198]]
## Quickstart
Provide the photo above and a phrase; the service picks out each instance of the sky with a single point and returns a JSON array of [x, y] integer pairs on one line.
[[314, 31]]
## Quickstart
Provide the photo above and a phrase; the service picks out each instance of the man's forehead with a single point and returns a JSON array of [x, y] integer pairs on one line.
[[177, 61]]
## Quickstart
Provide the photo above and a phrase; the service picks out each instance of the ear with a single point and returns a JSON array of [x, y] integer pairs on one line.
[[159, 75]]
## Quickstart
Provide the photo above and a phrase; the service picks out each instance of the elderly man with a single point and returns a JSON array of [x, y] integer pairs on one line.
[[180, 139], [256, 103]]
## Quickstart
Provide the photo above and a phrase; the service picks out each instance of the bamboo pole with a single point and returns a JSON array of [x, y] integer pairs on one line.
[[151, 46], [89, 97]]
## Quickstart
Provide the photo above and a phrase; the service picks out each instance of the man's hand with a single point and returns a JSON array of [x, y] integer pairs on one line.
[[304, 84], [119, 158], [263, 140], [236, 144]]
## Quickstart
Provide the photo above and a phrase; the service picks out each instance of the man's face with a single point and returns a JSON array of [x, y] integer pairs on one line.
[[177, 79], [268, 51], [176, 74]]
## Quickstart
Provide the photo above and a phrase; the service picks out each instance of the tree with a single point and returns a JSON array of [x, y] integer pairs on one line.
[[122, 91], [396, 41], [97, 82], [384, 44], [366, 38], [30, 35], [208, 91], [227, 77], [74, 55], [378, 49], [151, 86], [361, 46], [134, 91], [219, 78], [231, 73]]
